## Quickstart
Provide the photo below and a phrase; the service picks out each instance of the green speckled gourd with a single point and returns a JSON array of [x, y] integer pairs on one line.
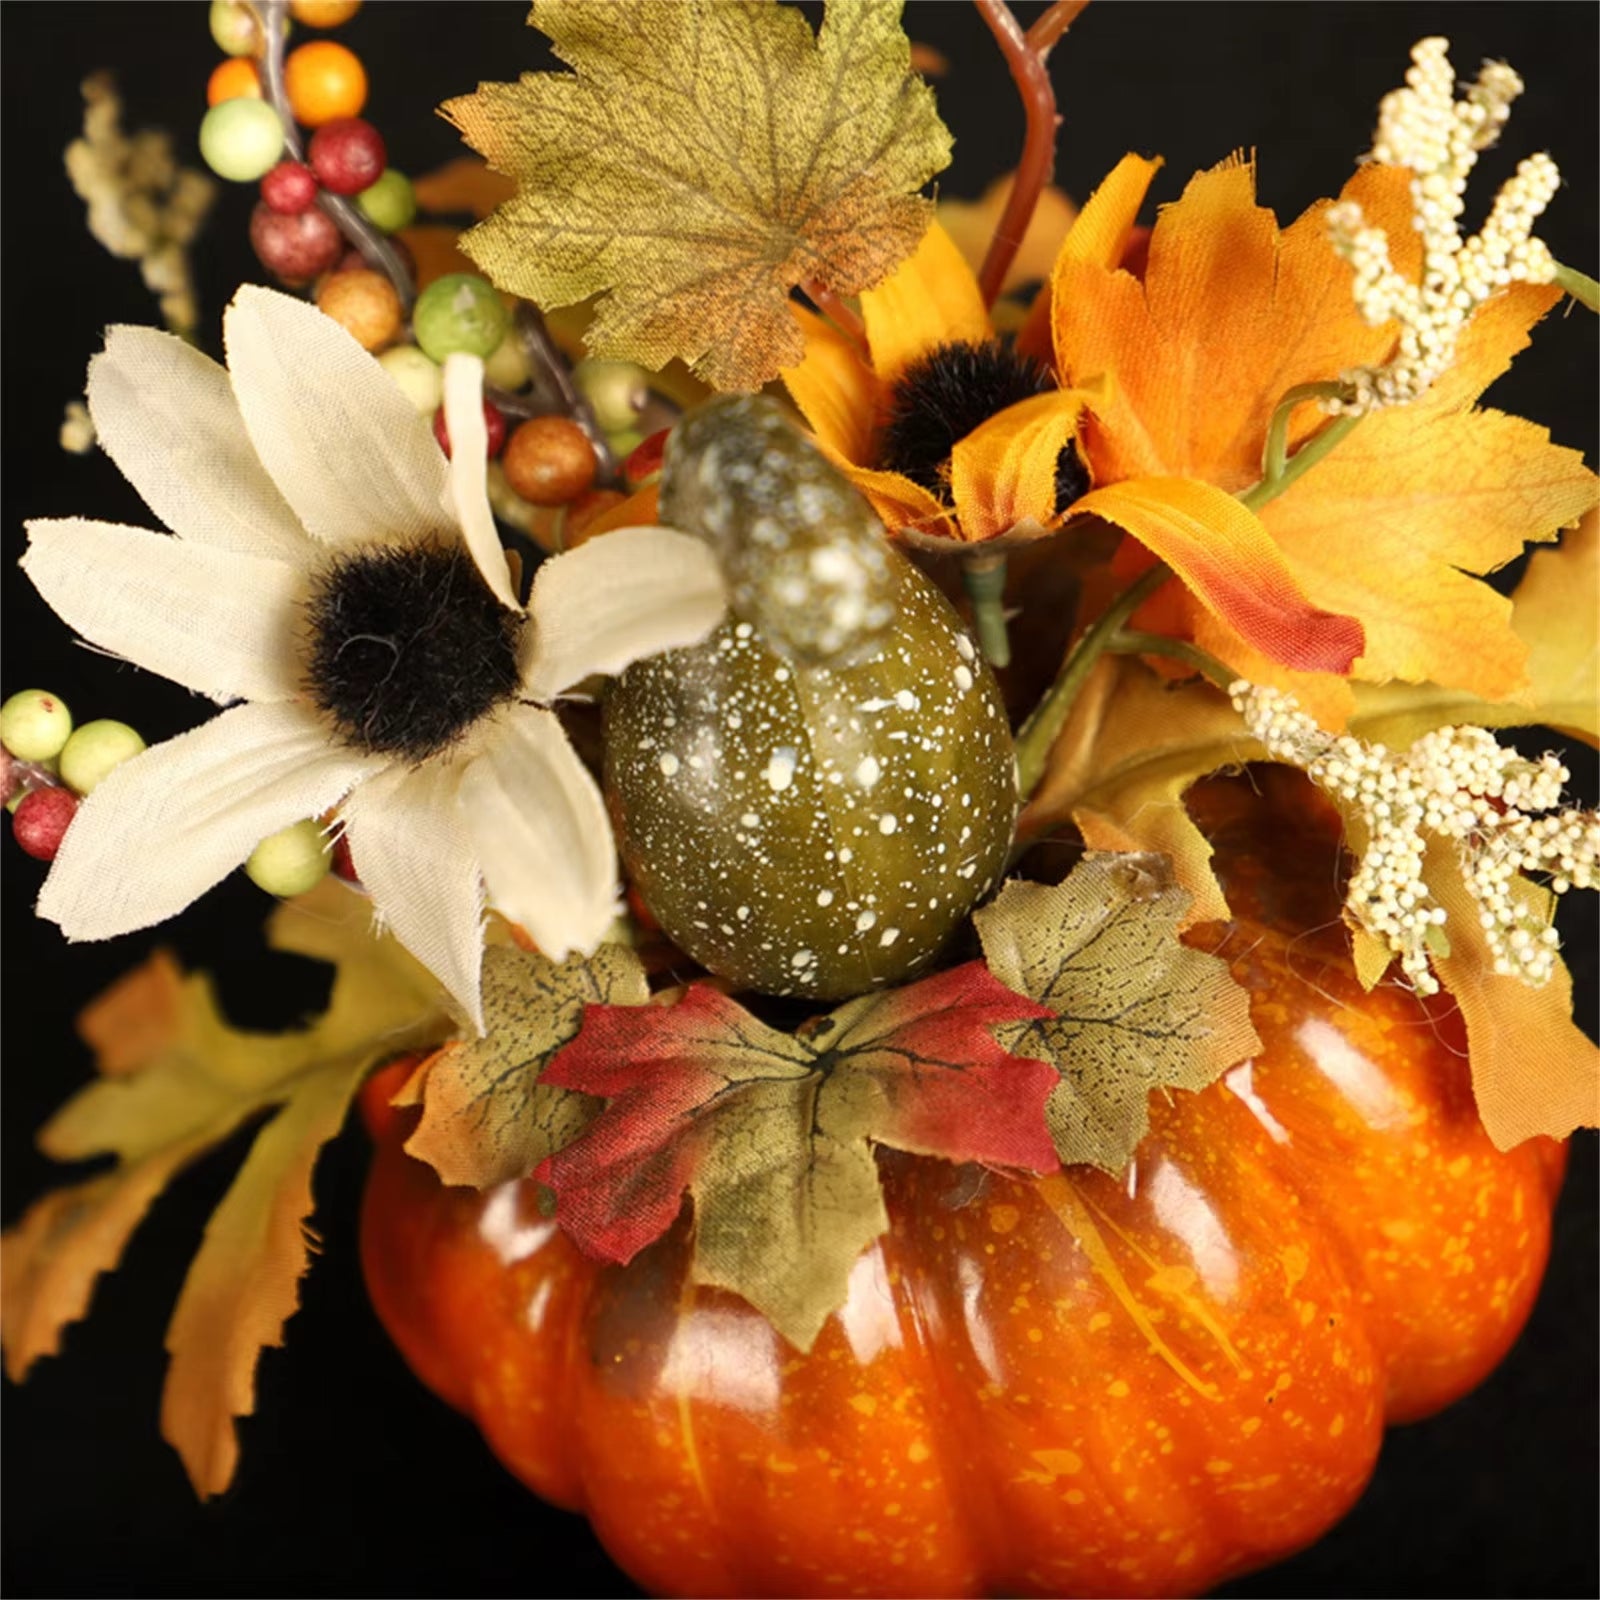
[[802, 826]]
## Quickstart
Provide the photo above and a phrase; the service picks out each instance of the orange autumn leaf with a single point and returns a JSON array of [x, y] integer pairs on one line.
[[1393, 526], [1533, 1071], [466, 186], [176, 1080]]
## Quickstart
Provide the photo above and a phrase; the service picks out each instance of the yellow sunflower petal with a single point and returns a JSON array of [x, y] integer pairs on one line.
[[1004, 472], [834, 388], [971, 224], [932, 299], [1228, 562], [905, 506]]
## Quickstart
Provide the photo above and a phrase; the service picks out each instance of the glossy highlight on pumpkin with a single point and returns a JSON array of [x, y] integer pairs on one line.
[[1067, 1385]]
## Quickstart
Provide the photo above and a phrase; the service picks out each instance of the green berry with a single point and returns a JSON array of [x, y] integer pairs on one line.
[[419, 378], [94, 750], [241, 140], [616, 392], [34, 725], [507, 368], [390, 203], [290, 861], [623, 444], [460, 311], [233, 27]]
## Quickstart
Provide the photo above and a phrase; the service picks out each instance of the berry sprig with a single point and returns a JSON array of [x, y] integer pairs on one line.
[[47, 765], [327, 219]]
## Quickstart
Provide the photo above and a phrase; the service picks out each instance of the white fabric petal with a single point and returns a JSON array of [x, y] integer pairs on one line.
[[345, 447], [621, 596], [467, 495], [413, 855], [167, 825], [218, 622], [166, 415], [542, 835]]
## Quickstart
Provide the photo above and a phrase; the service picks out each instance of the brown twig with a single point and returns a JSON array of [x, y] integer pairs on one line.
[[1046, 33], [1025, 55], [374, 245]]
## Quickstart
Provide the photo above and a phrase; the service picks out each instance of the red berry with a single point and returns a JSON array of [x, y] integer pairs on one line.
[[290, 188], [342, 862], [645, 461], [40, 822], [348, 155], [295, 249], [493, 421]]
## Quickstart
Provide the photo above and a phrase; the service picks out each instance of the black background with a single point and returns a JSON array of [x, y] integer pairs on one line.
[[355, 1480]]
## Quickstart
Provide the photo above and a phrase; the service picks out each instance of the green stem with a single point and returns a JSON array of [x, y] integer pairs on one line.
[[1579, 285], [1041, 729], [985, 580], [1274, 458], [1130, 642], [1301, 462]]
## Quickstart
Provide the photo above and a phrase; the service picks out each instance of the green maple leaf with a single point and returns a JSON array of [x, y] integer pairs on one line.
[[704, 158], [486, 1116], [1132, 1009]]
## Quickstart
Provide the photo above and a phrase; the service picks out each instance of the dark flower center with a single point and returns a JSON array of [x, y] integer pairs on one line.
[[408, 648], [943, 395]]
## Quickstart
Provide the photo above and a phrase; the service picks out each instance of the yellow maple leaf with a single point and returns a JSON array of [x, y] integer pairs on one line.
[[175, 1081], [1135, 743], [703, 159], [1392, 527]]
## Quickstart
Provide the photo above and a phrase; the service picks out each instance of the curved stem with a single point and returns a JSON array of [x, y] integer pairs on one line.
[[1302, 461], [347, 217], [1579, 285], [1039, 143], [1043, 727], [1274, 457], [1047, 32], [985, 581], [1129, 642]]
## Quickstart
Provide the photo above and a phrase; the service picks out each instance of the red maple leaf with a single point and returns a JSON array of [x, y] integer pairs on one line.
[[772, 1133]]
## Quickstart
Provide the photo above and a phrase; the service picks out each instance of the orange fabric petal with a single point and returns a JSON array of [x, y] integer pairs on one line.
[[1098, 238], [1004, 473], [930, 300], [902, 504], [834, 389], [1227, 560], [1230, 315]]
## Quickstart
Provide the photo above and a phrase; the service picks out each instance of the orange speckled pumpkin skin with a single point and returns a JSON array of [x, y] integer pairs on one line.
[[1060, 1386]]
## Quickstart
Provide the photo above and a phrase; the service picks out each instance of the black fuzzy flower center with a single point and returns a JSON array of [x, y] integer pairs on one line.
[[408, 648], [942, 396]]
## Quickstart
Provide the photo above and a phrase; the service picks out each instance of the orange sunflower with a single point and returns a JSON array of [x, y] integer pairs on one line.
[[1154, 417]]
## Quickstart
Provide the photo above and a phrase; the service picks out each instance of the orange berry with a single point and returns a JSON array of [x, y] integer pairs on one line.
[[364, 304], [549, 461], [323, 13], [235, 79], [324, 82]]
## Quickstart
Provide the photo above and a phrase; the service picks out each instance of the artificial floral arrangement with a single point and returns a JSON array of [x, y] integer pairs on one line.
[[921, 882]]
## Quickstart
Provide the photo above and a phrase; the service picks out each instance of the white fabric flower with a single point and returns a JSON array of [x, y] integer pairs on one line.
[[299, 483]]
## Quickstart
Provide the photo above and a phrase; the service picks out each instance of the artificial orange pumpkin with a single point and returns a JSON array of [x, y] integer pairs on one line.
[[1054, 1386]]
